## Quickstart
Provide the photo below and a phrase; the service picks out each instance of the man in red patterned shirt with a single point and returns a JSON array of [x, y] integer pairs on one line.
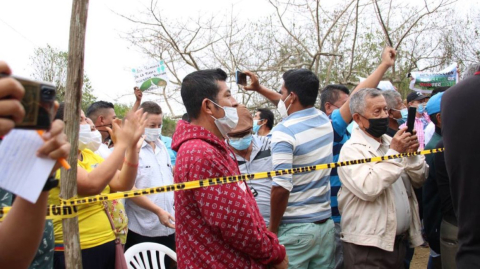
[[218, 226]]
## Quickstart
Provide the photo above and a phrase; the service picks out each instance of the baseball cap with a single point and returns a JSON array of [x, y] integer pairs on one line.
[[414, 96], [245, 121], [433, 105]]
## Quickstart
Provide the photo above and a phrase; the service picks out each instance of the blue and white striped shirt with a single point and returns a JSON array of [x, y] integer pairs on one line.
[[304, 138]]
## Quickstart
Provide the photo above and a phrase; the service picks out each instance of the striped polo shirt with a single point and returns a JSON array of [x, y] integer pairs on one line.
[[304, 138]]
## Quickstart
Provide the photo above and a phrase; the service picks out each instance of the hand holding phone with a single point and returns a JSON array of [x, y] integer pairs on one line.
[[412, 111], [241, 78], [38, 104], [11, 93]]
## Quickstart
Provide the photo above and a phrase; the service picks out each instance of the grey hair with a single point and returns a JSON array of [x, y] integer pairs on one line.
[[393, 98], [470, 70], [357, 100]]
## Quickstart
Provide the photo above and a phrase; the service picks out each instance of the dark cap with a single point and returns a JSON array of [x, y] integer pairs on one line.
[[245, 121], [415, 96]]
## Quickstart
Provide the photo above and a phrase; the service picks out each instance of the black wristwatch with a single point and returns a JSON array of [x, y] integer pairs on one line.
[[51, 183]]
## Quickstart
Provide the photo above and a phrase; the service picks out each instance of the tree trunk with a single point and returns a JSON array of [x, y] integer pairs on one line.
[[73, 97], [166, 101]]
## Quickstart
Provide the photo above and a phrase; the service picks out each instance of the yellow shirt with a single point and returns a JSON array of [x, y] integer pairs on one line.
[[94, 226]]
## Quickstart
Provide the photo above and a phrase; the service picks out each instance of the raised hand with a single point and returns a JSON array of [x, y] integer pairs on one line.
[[402, 141], [140, 119], [113, 135], [414, 144], [133, 127], [254, 83], [388, 56], [138, 94]]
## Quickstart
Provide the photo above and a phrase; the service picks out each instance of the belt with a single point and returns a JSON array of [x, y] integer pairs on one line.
[[321, 221]]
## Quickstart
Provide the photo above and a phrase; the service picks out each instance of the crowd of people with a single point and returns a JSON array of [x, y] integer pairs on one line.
[[368, 215]]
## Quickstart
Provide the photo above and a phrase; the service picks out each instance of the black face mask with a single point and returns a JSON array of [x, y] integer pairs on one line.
[[378, 127]]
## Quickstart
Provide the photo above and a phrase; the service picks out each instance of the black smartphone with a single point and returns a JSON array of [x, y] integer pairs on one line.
[[411, 119], [38, 103], [241, 78]]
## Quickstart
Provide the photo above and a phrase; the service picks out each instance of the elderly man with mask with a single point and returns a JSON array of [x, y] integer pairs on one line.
[[379, 210], [253, 156]]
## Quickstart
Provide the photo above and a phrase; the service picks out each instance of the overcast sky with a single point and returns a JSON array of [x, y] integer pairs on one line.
[[26, 24]]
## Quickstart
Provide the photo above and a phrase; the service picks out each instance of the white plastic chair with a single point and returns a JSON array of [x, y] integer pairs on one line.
[[132, 255]]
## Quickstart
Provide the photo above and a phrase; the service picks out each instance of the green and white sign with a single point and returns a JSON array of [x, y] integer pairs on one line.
[[151, 76], [426, 82]]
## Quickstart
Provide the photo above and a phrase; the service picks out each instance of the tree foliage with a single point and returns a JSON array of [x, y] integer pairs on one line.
[[50, 64]]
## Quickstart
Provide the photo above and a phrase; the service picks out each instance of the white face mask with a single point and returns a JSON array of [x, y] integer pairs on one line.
[[88, 139], [152, 134], [282, 109], [226, 124]]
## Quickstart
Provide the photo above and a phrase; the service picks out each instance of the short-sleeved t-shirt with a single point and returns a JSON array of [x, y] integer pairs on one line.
[[94, 226], [340, 137]]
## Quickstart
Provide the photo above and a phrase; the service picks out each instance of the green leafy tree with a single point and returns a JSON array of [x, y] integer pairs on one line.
[[168, 126], [50, 64], [121, 110]]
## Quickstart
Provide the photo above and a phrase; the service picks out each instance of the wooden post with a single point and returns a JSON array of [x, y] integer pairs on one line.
[[73, 97]]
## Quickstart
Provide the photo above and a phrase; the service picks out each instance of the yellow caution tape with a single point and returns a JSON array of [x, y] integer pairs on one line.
[[53, 212], [68, 208], [230, 179]]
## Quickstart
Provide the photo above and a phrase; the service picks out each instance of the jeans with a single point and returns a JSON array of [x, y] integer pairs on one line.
[[309, 245]]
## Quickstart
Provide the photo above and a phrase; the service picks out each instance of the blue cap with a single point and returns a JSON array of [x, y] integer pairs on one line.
[[433, 105]]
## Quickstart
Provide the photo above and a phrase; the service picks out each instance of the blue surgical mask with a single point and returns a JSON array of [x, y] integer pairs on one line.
[[256, 127], [421, 108], [241, 143], [404, 117]]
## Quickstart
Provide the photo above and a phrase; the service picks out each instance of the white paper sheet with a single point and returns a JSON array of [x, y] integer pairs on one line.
[[21, 171]]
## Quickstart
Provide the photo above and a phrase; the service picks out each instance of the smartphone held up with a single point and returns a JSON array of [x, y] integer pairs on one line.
[[241, 78], [38, 103], [412, 111]]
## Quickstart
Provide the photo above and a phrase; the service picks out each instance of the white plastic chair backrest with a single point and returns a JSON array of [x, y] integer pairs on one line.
[[132, 255]]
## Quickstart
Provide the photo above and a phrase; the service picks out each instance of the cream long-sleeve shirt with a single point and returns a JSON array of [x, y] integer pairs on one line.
[[366, 199]]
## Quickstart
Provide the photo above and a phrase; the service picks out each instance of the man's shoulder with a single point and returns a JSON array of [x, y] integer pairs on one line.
[[200, 151], [262, 141], [338, 123], [356, 142], [196, 144]]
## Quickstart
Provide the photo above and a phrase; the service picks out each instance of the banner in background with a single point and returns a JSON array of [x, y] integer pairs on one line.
[[150, 76], [426, 82]]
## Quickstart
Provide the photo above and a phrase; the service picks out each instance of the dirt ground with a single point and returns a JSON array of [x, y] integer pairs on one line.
[[420, 258]]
